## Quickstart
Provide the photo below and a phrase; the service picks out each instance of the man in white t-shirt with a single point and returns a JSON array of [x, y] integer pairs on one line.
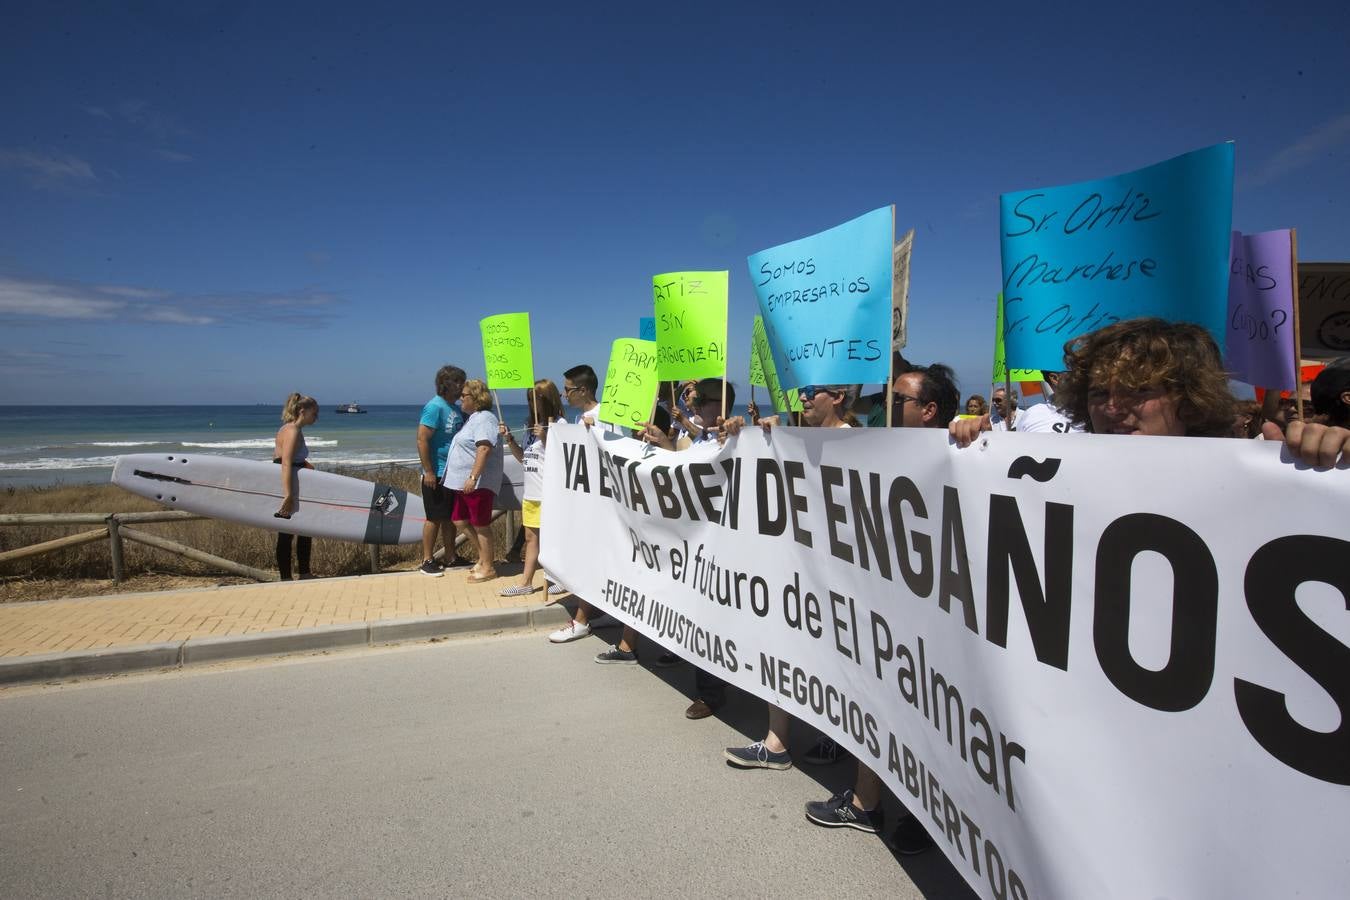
[[1047, 417], [579, 387]]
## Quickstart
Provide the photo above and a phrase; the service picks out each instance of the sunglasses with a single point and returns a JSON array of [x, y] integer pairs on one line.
[[902, 399], [809, 392]]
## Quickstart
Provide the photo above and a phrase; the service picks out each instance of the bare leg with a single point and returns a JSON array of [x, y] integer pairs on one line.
[[485, 561], [531, 556], [866, 789], [779, 723], [429, 532], [629, 640]]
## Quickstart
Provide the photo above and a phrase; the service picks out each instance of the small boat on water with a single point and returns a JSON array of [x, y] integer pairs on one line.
[[351, 408]]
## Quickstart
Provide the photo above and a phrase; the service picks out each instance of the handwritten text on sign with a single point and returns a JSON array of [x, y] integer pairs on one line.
[[1324, 309], [826, 302], [1001, 372], [691, 324], [507, 355], [1153, 242], [630, 383], [762, 357], [1260, 345]]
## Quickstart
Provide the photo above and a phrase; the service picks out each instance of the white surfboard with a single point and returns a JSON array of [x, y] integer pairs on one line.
[[513, 484], [249, 492]]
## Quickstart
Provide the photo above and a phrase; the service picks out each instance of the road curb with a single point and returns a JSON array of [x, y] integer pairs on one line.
[[193, 651]]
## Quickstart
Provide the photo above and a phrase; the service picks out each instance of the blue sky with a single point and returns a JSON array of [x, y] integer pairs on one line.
[[221, 202]]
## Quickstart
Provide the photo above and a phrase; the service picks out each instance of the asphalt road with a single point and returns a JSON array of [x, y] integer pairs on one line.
[[490, 767]]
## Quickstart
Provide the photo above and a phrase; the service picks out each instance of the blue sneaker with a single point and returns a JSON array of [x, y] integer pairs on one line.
[[757, 756], [839, 812]]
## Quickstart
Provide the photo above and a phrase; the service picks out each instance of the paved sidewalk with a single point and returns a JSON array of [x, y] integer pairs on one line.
[[363, 609]]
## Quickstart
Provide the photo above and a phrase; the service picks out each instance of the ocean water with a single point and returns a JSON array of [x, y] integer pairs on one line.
[[48, 445]]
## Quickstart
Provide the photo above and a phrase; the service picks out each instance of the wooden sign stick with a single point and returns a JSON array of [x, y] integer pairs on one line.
[[1298, 349], [890, 367]]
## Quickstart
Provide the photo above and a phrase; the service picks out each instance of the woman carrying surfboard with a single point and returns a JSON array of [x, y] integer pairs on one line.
[[292, 453], [473, 470]]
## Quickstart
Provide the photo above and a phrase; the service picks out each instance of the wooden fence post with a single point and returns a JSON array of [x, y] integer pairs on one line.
[[115, 549]]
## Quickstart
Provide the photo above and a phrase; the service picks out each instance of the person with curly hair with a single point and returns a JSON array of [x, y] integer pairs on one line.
[[1147, 376], [1153, 377]]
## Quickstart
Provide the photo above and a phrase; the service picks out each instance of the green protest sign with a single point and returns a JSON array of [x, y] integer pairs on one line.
[[691, 324], [762, 359], [506, 351], [756, 367], [630, 383], [1001, 354]]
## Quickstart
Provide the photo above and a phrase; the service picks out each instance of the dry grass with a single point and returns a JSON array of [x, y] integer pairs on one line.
[[87, 569]]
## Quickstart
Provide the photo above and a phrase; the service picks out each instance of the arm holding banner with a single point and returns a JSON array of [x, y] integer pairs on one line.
[[1320, 446]]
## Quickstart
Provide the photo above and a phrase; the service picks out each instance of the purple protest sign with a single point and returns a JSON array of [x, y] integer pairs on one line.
[[1259, 348]]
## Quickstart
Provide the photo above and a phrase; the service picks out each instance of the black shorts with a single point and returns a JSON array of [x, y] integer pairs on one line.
[[438, 501]]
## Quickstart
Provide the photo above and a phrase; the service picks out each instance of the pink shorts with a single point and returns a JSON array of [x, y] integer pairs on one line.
[[474, 507]]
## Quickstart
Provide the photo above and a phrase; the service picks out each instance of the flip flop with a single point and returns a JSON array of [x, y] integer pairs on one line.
[[475, 578]]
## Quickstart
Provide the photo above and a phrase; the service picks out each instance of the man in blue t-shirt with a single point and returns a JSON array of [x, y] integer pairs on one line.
[[441, 420]]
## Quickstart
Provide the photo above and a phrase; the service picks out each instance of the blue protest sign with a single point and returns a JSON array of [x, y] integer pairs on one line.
[[826, 302], [1154, 242], [647, 328]]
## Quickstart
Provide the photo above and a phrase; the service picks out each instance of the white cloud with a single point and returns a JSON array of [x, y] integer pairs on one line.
[[173, 316], [52, 300], [1301, 152], [48, 169], [32, 299], [141, 114]]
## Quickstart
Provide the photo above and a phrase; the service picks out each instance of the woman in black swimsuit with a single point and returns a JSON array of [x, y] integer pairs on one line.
[[292, 453]]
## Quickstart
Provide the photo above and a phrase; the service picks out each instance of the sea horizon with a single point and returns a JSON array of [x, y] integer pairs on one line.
[[43, 445]]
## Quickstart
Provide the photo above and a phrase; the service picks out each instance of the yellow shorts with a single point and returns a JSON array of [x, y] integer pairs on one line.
[[529, 513]]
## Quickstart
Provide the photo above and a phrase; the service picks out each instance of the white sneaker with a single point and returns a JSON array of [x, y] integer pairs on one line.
[[605, 620], [570, 632]]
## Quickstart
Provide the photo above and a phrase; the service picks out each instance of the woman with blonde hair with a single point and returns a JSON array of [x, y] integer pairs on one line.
[[291, 452], [544, 411], [473, 471]]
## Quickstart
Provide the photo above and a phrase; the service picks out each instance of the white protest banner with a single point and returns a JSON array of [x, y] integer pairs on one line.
[[1130, 688], [1324, 302]]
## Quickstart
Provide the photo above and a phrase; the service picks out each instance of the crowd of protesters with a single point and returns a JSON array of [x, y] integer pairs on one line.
[[1138, 377]]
